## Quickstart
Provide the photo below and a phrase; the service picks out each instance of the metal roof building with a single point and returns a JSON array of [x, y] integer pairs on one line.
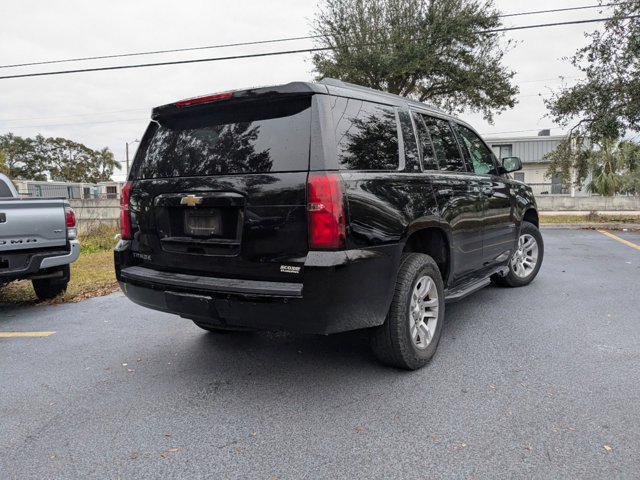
[[531, 150]]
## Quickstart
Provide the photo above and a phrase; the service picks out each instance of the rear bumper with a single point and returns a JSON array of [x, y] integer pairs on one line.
[[25, 264], [344, 290], [72, 256], [169, 280]]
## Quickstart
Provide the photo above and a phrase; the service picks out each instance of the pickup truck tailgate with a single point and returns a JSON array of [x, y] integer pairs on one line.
[[28, 224]]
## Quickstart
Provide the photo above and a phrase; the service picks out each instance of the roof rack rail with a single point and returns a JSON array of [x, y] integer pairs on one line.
[[334, 82]]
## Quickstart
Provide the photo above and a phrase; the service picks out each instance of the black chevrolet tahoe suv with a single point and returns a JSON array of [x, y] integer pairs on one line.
[[320, 208]]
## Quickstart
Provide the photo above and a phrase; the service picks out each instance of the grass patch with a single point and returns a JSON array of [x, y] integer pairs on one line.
[[98, 239], [588, 218]]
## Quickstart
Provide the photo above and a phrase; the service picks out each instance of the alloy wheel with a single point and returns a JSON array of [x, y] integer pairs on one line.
[[423, 312], [525, 258]]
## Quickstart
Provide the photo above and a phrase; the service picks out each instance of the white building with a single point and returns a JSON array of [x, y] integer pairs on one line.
[[71, 190], [531, 151]]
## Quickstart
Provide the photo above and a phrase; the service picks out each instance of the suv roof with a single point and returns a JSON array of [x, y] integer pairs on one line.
[[329, 86], [384, 97]]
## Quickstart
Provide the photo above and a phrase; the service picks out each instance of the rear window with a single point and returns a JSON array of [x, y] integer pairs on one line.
[[5, 191], [254, 137], [366, 135]]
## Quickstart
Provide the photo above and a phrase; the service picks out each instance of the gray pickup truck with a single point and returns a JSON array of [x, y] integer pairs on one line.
[[37, 241]]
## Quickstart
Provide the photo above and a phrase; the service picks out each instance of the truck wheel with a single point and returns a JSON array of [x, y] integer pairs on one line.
[[48, 288], [526, 260], [218, 329], [409, 336]]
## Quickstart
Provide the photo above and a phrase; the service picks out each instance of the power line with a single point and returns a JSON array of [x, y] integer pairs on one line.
[[87, 114], [553, 79], [567, 9], [556, 24], [283, 52], [121, 120], [263, 42], [156, 52], [174, 62], [516, 131]]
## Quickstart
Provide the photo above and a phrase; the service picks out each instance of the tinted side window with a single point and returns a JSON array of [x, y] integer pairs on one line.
[[366, 135], [480, 155], [5, 191], [445, 145], [428, 155], [411, 156]]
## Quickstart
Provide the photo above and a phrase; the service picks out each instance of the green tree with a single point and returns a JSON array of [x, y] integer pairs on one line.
[[3, 163], [614, 166], [57, 158], [102, 165], [21, 160], [629, 162], [438, 51], [603, 106]]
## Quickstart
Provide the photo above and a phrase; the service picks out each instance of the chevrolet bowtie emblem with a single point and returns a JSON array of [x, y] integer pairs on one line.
[[191, 200]]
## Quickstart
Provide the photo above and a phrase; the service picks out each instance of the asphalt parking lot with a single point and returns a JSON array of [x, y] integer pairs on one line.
[[537, 382]]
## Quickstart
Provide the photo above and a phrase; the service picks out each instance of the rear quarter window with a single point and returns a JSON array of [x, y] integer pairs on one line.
[[411, 155], [445, 144], [252, 137], [366, 135], [5, 190]]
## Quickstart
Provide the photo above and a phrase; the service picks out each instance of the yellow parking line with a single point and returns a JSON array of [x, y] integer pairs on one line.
[[25, 334], [621, 240]]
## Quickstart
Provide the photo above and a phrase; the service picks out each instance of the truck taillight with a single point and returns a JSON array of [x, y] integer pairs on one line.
[[325, 212], [125, 213], [70, 221]]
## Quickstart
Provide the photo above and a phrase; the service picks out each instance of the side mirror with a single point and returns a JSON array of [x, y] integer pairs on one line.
[[511, 164]]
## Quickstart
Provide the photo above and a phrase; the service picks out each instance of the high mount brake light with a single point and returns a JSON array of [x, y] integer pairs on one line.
[[325, 211], [204, 99], [125, 213], [70, 221]]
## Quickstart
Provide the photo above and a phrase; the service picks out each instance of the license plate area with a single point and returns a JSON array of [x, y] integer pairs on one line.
[[200, 230], [203, 223]]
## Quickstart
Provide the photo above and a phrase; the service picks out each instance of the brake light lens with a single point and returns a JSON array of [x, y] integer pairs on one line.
[[204, 99], [125, 213], [325, 212], [70, 221]]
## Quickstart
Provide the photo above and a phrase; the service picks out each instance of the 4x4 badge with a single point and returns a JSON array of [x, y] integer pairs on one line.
[[191, 200]]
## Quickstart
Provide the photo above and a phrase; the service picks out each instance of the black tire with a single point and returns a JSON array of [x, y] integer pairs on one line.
[[392, 342], [48, 288], [218, 329], [514, 280]]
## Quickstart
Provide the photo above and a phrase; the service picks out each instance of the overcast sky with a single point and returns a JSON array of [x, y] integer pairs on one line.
[[109, 108]]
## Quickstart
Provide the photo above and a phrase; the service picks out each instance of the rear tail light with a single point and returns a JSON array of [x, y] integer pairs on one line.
[[70, 221], [125, 213], [326, 212]]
